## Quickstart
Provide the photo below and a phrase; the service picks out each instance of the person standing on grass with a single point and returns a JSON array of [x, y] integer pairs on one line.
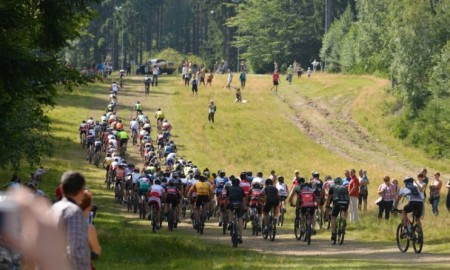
[[229, 80], [363, 190], [275, 80], [194, 86], [243, 79], [353, 190], [388, 193], [423, 186], [209, 77], [448, 196], [290, 73], [435, 193], [211, 111], [70, 218]]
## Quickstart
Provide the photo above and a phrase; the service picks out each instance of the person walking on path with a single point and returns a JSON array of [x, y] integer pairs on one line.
[[290, 73], [212, 110], [275, 80], [243, 79], [353, 190]]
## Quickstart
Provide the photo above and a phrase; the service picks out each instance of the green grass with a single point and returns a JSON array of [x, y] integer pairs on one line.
[[259, 135]]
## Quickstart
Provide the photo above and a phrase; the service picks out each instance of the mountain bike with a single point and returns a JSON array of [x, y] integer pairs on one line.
[[341, 224], [412, 233], [224, 215], [271, 230], [83, 139], [171, 219], [184, 206], [118, 190], [97, 157], [201, 218], [91, 153], [142, 207], [318, 216], [134, 136], [154, 218]]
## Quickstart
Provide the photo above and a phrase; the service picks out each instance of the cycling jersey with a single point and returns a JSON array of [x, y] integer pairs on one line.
[[120, 174], [159, 115], [339, 193], [306, 197], [235, 194], [282, 190], [156, 191], [255, 197], [108, 161], [144, 184], [134, 125], [219, 182], [138, 107], [245, 185], [202, 188], [83, 127], [123, 135], [317, 185]]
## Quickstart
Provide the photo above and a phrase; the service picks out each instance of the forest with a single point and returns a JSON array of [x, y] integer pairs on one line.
[[406, 41]]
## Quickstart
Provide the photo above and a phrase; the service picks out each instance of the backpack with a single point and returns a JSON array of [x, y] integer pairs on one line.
[[414, 190], [307, 199]]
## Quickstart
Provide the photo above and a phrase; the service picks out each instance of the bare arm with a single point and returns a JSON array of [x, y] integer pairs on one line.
[[93, 240]]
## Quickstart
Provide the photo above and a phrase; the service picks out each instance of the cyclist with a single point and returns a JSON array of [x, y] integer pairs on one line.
[[272, 201], [147, 82], [326, 188], [204, 192], [107, 164], [138, 107], [173, 198], [83, 129], [282, 192], [97, 145], [114, 88], [317, 186], [90, 139], [236, 198], [415, 200], [123, 135], [219, 184], [306, 201], [142, 185], [121, 77], [118, 125], [258, 179], [90, 122], [339, 195], [159, 115], [256, 202], [166, 126], [134, 126], [156, 195]]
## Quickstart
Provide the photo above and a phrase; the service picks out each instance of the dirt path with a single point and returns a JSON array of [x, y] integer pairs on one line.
[[334, 128]]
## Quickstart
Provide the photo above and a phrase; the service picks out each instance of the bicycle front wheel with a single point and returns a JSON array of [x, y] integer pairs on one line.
[[297, 231], [402, 238], [418, 239], [340, 231], [234, 235]]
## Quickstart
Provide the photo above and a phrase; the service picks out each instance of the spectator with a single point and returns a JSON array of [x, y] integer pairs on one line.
[[35, 191], [275, 80], [346, 180], [14, 183], [388, 193], [315, 64], [243, 79], [309, 71], [209, 78], [363, 190], [86, 206], [353, 190], [38, 174], [155, 73], [70, 218], [448, 196], [194, 84], [422, 184], [58, 193], [435, 193], [290, 73], [211, 111], [238, 95], [229, 80]]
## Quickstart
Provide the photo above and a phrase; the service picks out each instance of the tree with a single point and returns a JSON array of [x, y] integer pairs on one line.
[[32, 34]]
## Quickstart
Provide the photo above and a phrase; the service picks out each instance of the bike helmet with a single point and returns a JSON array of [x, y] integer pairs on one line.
[[269, 182], [281, 179], [257, 186], [157, 182], [338, 181], [222, 174], [315, 174], [259, 174]]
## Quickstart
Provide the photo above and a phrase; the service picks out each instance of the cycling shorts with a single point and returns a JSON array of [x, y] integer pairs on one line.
[[236, 206], [311, 210], [154, 201], [336, 207], [201, 200], [415, 207], [270, 204], [283, 198], [173, 199]]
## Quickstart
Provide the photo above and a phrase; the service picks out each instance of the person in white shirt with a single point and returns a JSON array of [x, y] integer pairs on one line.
[[155, 75], [258, 179]]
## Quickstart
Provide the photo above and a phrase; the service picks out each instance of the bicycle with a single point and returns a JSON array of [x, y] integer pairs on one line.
[[235, 227], [97, 158], [118, 189], [129, 202], [134, 136], [184, 206], [83, 139], [224, 215], [413, 232], [147, 90], [91, 153], [341, 224], [271, 229], [201, 218], [318, 217], [135, 201], [171, 218], [142, 207]]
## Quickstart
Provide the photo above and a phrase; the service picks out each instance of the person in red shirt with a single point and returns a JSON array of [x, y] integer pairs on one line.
[[353, 190], [58, 193], [275, 80]]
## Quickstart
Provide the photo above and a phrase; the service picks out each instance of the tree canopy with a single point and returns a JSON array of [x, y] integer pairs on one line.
[[30, 42]]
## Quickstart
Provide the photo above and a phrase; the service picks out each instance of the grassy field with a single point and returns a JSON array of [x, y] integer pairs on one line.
[[259, 136]]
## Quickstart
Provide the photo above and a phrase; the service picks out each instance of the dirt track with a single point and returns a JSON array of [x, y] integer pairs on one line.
[[317, 119]]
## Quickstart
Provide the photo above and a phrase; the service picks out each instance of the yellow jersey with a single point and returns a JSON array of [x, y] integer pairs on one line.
[[202, 188]]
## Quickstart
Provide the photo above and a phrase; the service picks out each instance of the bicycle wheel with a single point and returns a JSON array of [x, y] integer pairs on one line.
[[273, 231], [281, 220], [265, 232], [135, 204], [170, 220], [254, 227], [224, 222], [234, 234], [129, 203], [308, 231], [402, 238], [154, 219], [340, 231], [91, 155], [319, 219], [417, 239], [297, 231]]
